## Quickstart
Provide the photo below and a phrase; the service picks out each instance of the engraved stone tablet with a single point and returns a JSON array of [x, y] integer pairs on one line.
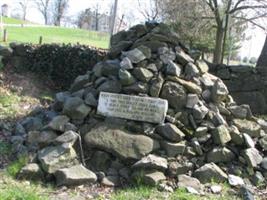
[[132, 107]]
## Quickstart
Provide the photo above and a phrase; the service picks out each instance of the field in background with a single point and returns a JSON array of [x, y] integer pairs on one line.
[[32, 33]]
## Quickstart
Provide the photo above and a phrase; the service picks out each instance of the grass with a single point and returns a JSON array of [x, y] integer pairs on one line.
[[14, 168], [10, 20], [56, 35]]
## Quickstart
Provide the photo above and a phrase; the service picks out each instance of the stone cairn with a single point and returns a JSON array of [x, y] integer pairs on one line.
[[150, 114]]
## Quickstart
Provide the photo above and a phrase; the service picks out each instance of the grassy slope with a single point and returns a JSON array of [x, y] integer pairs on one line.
[[53, 34]]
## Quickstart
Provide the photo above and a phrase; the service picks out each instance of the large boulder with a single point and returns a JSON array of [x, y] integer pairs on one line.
[[120, 142]]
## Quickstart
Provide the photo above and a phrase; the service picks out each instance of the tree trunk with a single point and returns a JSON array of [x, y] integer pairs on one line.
[[262, 61], [217, 54]]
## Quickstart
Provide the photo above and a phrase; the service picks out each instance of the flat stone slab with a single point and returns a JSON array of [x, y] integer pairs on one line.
[[132, 107]]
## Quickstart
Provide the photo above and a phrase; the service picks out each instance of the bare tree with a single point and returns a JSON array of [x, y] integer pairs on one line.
[[262, 61], [24, 4], [59, 10], [149, 10], [43, 7]]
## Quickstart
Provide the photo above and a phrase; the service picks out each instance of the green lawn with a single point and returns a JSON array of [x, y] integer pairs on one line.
[[57, 35], [9, 20]]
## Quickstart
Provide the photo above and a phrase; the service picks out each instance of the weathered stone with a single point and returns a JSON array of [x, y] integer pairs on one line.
[[41, 138], [191, 71], [252, 157], [56, 157], [236, 136], [172, 69], [135, 55], [220, 154], [200, 111], [258, 178], [175, 94], [216, 189], [190, 86], [239, 111], [111, 181], [120, 142], [248, 141], [67, 137], [126, 63], [192, 100], [75, 108], [136, 88], [182, 57], [156, 85], [112, 86], [263, 142], [58, 123], [235, 180], [178, 168], [32, 124], [151, 178], [166, 55], [249, 127], [126, 78], [202, 66], [210, 172], [170, 132], [173, 149], [132, 107], [110, 68], [201, 131], [151, 162], [146, 51], [264, 163], [221, 135], [197, 147], [79, 82], [90, 100], [75, 175], [142, 74], [31, 171], [219, 91], [187, 181]]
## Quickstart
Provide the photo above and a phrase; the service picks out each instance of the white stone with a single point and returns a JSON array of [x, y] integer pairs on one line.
[[132, 107], [216, 189], [235, 180]]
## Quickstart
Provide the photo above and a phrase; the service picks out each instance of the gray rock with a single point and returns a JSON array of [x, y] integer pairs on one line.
[[134, 55], [236, 136], [151, 178], [111, 181], [126, 77], [100, 161], [56, 157], [173, 69], [220, 154], [249, 127], [192, 100], [146, 51], [156, 85], [201, 131], [152, 67], [235, 180], [170, 132], [111, 86], [246, 193], [200, 111], [191, 71], [202, 66], [75, 175], [142, 74], [264, 163], [263, 142], [110, 68], [182, 57], [187, 181], [31, 171], [126, 63], [79, 82], [239, 111], [258, 178], [19, 130], [173, 149], [248, 141], [197, 147], [67, 137], [210, 172], [41, 138], [117, 141], [136, 88], [252, 157], [221, 135], [178, 168], [58, 123], [75, 108], [175, 94], [219, 91], [90, 100], [32, 124], [190, 86], [166, 54], [216, 189], [152, 162]]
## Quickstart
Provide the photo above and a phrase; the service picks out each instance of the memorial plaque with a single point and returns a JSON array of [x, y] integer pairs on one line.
[[138, 108]]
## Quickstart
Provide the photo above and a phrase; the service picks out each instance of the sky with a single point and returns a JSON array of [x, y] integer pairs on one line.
[[251, 48]]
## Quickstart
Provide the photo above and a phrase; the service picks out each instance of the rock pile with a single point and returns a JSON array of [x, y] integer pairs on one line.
[[205, 136]]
